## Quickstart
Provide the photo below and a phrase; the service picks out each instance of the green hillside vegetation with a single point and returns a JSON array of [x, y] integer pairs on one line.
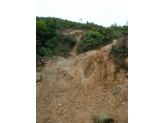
[[92, 39], [49, 40]]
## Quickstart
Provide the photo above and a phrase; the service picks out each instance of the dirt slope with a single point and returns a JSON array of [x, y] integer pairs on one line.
[[72, 90]]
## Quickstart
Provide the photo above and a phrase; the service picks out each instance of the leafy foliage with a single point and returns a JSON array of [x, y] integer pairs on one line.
[[92, 39], [119, 31], [120, 54], [49, 41]]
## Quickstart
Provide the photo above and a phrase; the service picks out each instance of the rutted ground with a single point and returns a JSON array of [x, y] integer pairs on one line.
[[75, 88]]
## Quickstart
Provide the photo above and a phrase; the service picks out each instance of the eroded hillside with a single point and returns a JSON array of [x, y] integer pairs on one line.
[[72, 89]]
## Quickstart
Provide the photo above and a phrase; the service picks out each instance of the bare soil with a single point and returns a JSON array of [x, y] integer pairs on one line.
[[73, 89]]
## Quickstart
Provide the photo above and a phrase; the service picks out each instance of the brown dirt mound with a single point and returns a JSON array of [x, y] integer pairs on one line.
[[72, 90]]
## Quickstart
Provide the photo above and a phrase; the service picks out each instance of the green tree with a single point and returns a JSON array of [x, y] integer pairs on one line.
[[40, 27]]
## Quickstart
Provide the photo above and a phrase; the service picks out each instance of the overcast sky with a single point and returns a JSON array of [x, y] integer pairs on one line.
[[101, 12]]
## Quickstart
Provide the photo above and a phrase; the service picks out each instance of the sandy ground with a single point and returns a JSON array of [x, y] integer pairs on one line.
[[75, 88]]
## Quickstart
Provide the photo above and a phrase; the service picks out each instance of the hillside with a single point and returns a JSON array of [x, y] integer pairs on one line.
[[72, 88]]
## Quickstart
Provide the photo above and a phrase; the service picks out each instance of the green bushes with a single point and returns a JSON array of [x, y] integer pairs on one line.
[[118, 31], [114, 50], [66, 24], [70, 39], [49, 41], [92, 39], [45, 51], [117, 34], [124, 33], [120, 54], [89, 41]]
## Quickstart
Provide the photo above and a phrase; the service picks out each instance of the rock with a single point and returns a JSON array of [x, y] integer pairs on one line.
[[116, 90], [39, 64], [101, 118], [38, 77], [42, 61]]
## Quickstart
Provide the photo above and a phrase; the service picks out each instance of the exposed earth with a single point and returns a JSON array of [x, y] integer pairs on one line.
[[72, 89]]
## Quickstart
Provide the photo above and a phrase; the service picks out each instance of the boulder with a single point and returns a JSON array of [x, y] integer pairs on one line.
[[101, 118]]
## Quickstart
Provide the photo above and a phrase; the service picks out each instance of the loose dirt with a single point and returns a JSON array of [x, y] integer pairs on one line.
[[73, 89]]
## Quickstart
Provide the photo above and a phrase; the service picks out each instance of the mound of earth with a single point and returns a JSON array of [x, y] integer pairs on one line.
[[73, 90]]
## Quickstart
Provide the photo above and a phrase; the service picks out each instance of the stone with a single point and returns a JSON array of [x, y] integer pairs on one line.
[[101, 118], [38, 77], [39, 63], [42, 61]]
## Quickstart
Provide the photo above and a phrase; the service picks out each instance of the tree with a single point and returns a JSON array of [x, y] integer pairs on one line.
[[115, 24], [81, 20], [40, 26]]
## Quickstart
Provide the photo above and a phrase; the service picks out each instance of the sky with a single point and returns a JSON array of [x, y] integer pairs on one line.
[[101, 12]]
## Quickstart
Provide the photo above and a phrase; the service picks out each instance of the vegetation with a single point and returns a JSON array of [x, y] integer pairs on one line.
[[118, 31], [66, 24], [120, 54], [92, 39], [49, 40]]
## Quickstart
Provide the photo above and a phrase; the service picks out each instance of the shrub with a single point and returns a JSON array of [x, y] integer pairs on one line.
[[120, 54], [92, 39], [71, 40], [116, 34], [45, 51], [113, 50]]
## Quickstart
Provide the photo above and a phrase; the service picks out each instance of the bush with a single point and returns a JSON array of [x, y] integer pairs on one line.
[[92, 39], [89, 41], [116, 34], [114, 50], [120, 54], [100, 30], [54, 42], [71, 40], [124, 33], [45, 51]]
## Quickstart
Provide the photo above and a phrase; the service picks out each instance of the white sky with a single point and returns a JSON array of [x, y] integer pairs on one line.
[[101, 12]]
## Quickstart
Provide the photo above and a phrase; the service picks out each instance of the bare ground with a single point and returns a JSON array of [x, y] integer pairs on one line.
[[75, 88]]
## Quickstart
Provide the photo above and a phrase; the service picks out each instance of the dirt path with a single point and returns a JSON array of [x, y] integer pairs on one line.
[[73, 89], [74, 49], [78, 34]]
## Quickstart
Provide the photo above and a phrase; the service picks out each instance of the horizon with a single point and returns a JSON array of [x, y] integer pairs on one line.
[[104, 12]]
